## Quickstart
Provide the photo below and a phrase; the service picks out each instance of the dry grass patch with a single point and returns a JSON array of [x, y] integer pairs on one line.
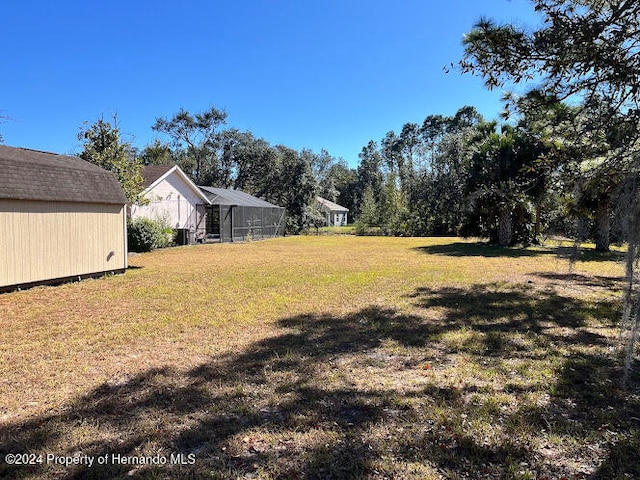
[[325, 357]]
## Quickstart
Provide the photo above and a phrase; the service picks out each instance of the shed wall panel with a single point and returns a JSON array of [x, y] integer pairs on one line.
[[42, 241]]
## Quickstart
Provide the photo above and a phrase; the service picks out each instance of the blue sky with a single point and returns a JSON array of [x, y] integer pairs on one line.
[[330, 74]]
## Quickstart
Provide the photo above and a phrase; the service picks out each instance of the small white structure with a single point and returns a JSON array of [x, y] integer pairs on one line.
[[173, 198], [336, 215]]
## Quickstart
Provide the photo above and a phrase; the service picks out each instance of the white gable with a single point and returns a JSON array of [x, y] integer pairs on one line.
[[172, 198]]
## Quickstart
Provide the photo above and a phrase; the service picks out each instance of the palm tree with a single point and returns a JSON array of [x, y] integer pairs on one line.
[[499, 183]]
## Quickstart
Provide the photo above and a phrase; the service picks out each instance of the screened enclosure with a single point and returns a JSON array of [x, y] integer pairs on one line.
[[237, 216]]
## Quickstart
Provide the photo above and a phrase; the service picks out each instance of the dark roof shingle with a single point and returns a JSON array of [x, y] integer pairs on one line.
[[151, 173], [33, 175]]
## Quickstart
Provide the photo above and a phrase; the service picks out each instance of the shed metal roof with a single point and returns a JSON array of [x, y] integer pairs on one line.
[[34, 175], [223, 196]]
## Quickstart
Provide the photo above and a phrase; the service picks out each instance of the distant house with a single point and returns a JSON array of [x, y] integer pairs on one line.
[[236, 216], [336, 215], [61, 218], [174, 199]]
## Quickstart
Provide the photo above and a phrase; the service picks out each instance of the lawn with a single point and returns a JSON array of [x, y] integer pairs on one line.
[[324, 357]]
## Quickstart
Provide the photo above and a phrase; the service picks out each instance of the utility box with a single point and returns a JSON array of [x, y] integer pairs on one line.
[[182, 236]]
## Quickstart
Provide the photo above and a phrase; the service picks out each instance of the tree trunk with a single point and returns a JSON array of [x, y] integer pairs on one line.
[[505, 232], [602, 226], [536, 226]]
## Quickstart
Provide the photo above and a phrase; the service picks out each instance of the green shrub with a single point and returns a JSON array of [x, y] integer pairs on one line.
[[144, 235], [362, 229]]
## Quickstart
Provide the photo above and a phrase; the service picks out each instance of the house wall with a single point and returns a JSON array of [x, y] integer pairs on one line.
[[175, 201], [43, 241], [339, 219], [336, 218]]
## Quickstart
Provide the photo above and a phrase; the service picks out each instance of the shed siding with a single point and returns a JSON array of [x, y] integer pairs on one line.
[[49, 240], [172, 200]]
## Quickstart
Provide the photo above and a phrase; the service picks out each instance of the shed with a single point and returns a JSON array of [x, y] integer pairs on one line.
[[174, 199], [335, 215], [61, 218], [236, 215]]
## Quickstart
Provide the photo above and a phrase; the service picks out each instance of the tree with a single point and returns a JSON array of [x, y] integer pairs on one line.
[[369, 173], [420, 172], [198, 138], [102, 145], [250, 161], [587, 49], [602, 177], [157, 153], [321, 164], [449, 141], [546, 123], [573, 142], [390, 151], [369, 215], [430, 162], [410, 150], [314, 218], [497, 186], [345, 181], [393, 211], [291, 185]]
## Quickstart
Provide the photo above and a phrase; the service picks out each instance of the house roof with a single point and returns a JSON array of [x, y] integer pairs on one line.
[[223, 196], [325, 204], [152, 175], [34, 175]]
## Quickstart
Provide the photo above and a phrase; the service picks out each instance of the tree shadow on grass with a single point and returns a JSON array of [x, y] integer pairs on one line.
[[465, 249], [592, 281], [347, 397], [493, 307], [274, 387], [592, 416], [586, 405]]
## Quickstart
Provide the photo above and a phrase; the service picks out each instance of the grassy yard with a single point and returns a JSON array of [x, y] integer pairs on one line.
[[324, 357]]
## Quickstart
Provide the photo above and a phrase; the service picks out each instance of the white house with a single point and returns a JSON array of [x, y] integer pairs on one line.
[[174, 199], [336, 215]]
